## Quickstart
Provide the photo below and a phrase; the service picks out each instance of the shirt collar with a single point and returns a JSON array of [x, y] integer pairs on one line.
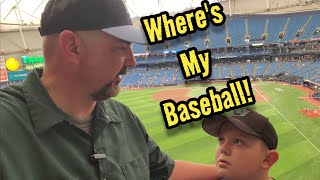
[[105, 112], [43, 111]]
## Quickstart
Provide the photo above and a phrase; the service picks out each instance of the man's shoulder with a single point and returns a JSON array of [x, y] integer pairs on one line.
[[12, 93], [12, 103]]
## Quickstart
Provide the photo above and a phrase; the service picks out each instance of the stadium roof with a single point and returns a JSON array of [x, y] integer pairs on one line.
[[27, 13]]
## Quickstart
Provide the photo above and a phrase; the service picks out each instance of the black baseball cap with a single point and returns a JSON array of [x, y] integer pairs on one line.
[[246, 120], [110, 16]]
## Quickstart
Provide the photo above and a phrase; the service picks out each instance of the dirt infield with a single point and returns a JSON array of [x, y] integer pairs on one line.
[[308, 113], [308, 92], [177, 95], [259, 97], [311, 113], [303, 88]]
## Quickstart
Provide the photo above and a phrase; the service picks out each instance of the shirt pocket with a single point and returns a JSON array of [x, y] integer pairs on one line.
[[137, 169]]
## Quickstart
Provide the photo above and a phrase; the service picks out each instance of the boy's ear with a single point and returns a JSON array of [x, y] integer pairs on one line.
[[270, 159]]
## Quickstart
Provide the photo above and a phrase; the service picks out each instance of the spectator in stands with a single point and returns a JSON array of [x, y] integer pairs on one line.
[[61, 123], [247, 144]]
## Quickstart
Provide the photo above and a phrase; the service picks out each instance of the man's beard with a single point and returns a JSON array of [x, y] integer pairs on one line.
[[107, 91]]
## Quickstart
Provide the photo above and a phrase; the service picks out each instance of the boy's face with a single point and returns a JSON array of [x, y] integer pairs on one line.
[[238, 154]]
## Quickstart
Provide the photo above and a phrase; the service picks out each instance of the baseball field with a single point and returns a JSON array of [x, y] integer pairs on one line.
[[295, 116]]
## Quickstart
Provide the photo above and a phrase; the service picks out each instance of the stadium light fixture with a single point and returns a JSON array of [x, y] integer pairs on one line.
[[228, 40], [316, 32], [186, 44], [264, 36], [299, 33], [247, 38], [206, 42], [281, 35]]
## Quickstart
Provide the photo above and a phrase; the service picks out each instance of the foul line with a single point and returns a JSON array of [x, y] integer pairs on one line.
[[286, 119]]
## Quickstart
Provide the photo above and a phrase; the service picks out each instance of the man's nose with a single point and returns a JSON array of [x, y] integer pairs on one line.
[[130, 59]]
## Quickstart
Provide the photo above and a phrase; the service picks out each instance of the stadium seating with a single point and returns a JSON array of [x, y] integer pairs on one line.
[[308, 70], [248, 69], [179, 76], [225, 71], [260, 68], [217, 36], [313, 67], [139, 49], [311, 27], [285, 66], [294, 25], [273, 66], [237, 70], [256, 26], [151, 60], [298, 67], [148, 77], [236, 28], [215, 72], [169, 77], [157, 79], [133, 78]]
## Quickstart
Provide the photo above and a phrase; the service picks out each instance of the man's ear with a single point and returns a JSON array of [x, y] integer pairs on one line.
[[69, 44], [270, 159]]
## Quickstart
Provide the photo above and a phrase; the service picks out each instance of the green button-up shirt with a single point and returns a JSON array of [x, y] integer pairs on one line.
[[37, 142]]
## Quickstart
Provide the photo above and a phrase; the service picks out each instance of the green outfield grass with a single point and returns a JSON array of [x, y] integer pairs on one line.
[[299, 142]]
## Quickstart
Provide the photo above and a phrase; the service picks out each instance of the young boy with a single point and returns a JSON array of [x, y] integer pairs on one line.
[[247, 145]]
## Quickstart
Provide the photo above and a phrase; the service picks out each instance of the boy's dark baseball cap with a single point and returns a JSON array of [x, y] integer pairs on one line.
[[110, 16], [247, 121]]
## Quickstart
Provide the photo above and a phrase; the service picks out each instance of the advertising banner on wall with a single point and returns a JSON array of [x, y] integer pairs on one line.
[[3, 70], [32, 62], [17, 75]]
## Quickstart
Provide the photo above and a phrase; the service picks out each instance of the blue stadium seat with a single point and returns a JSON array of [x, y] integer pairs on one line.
[[248, 68], [256, 25], [237, 30], [148, 77], [236, 70], [260, 68], [272, 68]]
